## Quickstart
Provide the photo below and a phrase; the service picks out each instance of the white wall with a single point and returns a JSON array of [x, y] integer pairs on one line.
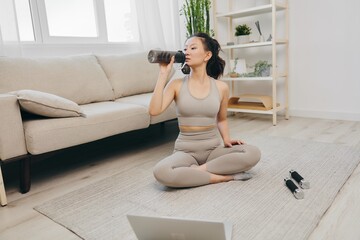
[[325, 58]]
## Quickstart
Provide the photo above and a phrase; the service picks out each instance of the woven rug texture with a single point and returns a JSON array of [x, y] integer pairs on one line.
[[260, 208]]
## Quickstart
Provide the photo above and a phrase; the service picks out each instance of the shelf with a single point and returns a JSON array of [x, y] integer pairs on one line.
[[247, 79], [271, 111], [278, 79], [270, 78], [253, 44], [252, 11]]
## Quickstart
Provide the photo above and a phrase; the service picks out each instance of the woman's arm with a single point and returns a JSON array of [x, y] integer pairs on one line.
[[163, 94], [222, 122]]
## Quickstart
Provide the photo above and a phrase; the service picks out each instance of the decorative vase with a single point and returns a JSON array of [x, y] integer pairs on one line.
[[242, 39], [261, 38]]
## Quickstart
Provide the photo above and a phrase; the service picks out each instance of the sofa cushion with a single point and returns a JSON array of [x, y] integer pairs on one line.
[[144, 100], [102, 120], [77, 78], [46, 104], [130, 74]]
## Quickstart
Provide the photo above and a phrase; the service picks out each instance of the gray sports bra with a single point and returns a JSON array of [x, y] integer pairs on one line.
[[192, 111]]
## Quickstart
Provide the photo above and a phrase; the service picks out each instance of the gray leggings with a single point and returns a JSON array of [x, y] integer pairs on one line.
[[194, 149]]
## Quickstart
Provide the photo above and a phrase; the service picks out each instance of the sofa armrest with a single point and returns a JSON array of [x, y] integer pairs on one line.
[[12, 139]]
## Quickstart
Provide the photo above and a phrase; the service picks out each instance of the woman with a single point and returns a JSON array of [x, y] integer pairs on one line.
[[199, 158]]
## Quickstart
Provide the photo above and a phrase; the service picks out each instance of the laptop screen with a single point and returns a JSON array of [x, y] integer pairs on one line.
[[171, 228]]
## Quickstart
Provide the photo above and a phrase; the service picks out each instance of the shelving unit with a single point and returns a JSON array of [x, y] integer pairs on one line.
[[273, 8]]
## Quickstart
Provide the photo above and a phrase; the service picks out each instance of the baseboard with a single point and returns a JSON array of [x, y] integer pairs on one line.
[[325, 115]]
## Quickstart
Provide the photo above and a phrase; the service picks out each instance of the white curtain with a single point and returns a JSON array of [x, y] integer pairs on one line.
[[159, 24], [9, 33]]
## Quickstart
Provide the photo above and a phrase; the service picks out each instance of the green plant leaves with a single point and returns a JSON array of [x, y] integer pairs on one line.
[[197, 16], [243, 29]]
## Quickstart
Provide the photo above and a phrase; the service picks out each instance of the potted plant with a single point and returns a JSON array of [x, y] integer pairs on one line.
[[262, 68], [197, 16], [242, 33]]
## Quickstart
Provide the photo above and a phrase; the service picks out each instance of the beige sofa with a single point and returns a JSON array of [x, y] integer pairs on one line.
[[77, 99]]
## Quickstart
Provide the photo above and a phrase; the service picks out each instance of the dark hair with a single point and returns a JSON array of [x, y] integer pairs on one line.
[[215, 66]]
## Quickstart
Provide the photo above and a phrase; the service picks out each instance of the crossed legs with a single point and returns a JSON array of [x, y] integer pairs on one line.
[[182, 169]]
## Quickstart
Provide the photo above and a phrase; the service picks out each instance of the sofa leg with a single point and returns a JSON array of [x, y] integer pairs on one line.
[[25, 174], [3, 200]]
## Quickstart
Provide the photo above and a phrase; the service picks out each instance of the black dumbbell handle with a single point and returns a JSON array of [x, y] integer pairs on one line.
[[296, 176], [294, 189], [291, 186]]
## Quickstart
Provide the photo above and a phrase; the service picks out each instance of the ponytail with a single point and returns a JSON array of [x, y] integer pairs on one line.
[[216, 65]]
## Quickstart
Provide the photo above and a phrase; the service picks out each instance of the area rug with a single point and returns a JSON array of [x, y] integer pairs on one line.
[[260, 208]]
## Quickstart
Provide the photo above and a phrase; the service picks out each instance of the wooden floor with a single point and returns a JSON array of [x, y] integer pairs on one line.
[[63, 172]]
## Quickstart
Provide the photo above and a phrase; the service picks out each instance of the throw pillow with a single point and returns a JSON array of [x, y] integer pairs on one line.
[[46, 104]]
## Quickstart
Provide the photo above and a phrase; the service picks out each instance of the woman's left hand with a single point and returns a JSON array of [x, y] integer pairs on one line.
[[230, 143]]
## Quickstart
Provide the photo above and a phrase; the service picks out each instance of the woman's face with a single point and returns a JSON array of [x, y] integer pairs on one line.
[[195, 53]]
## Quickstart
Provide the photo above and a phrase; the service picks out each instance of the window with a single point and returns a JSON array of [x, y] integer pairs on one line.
[[71, 18], [74, 21]]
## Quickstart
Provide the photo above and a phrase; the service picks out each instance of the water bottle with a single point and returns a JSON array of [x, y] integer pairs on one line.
[[158, 56]]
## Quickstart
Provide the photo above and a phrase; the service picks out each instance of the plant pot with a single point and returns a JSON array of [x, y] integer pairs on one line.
[[265, 72], [242, 39], [234, 75]]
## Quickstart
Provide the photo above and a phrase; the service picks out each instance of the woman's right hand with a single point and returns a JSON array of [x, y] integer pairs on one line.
[[165, 68], [162, 95]]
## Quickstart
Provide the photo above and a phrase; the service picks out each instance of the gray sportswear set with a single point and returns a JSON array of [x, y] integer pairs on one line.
[[195, 148]]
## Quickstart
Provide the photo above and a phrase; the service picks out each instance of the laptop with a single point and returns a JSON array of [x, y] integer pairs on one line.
[[171, 228]]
